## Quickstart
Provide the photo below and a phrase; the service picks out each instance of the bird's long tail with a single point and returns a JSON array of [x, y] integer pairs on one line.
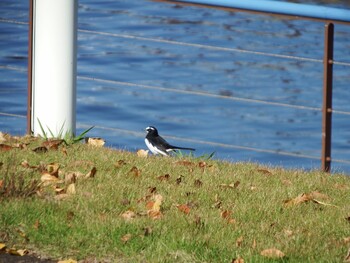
[[182, 148]]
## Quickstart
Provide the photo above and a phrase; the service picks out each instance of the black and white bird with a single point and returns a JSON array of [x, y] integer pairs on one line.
[[157, 145]]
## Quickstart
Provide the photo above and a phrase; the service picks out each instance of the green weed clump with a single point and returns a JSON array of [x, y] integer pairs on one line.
[[95, 203]]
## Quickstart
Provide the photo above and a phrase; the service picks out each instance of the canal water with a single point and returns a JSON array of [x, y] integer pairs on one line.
[[247, 87]]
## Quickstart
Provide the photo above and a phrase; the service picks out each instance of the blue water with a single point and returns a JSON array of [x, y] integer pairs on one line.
[[120, 112]]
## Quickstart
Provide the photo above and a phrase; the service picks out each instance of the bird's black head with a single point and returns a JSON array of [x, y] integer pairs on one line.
[[151, 131]]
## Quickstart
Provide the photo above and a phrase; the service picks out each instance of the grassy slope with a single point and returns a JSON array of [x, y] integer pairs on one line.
[[229, 210]]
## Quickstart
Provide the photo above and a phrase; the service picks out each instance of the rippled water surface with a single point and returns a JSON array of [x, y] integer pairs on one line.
[[129, 78]]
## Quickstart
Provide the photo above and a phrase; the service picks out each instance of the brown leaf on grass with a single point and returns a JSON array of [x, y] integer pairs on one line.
[[70, 177], [202, 164], [119, 163], [40, 149], [91, 173], [264, 171], [185, 163], [64, 151], [48, 178], [227, 215], [272, 253], [232, 186], [1, 183], [126, 238], [165, 177], [37, 224], [52, 144], [254, 244], [135, 171], [179, 179], [68, 261], [2, 246], [142, 153], [152, 189], [198, 183], [184, 209], [53, 168], [347, 257], [95, 141], [306, 197], [237, 260], [198, 221], [128, 215], [71, 189], [17, 252], [147, 231], [239, 241], [5, 147], [25, 164], [3, 137], [153, 207]]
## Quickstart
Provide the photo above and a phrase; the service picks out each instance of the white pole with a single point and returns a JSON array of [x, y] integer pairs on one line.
[[54, 67]]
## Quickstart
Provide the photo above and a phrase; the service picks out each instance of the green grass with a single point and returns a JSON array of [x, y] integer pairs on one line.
[[89, 224]]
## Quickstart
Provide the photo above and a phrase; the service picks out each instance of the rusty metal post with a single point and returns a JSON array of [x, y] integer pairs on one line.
[[327, 98], [30, 49]]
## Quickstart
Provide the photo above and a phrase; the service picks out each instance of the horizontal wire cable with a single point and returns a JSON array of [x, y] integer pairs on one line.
[[179, 43], [12, 115], [216, 48], [198, 93]]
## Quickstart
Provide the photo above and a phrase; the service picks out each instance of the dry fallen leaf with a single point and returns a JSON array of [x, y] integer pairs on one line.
[[71, 189], [142, 153], [164, 177], [153, 208], [239, 241], [53, 168], [40, 149], [1, 183], [17, 252], [2, 246], [91, 173], [306, 197], [128, 215], [237, 260], [3, 137], [70, 177], [52, 144], [135, 171], [347, 257], [119, 163], [97, 142], [198, 183], [264, 171], [185, 163], [184, 209], [25, 164], [272, 253], [68, 261], [5, 147], [48, 178], [232, 186], [37, 224], [126, 238], [346, 240]]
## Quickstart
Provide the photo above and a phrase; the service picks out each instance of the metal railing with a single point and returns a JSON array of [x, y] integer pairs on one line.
[[320, 13]]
